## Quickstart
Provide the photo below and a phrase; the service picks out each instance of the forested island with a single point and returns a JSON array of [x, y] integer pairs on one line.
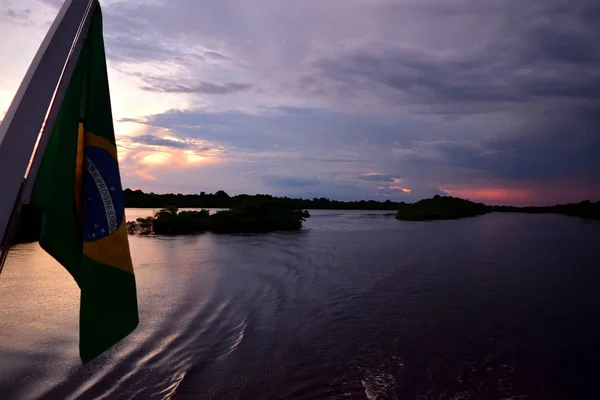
[[447, 207], [437, 207], [440, 207], [248, 218], [266, 213]]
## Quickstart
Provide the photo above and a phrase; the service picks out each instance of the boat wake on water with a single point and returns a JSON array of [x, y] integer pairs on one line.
[[380, 311]]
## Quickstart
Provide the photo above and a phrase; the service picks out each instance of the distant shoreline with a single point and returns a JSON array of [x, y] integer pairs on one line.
[[436, 208], [447, 207], [220, 199]]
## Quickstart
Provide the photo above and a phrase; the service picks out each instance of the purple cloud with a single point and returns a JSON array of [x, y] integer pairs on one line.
[[469, 93]]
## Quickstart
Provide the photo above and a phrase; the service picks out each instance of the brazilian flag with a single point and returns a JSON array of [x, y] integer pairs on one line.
[[78, 188]]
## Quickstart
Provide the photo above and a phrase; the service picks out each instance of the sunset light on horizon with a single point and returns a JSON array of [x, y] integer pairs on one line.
[[367, 108], [313, 199]]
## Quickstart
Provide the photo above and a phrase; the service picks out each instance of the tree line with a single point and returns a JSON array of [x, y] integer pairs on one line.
[[447, 207], [438, 207], [220, 199]]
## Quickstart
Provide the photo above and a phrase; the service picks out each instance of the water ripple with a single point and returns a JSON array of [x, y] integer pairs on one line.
[[355, 306]]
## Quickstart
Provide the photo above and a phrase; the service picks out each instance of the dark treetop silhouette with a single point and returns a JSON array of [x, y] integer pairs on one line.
[[446, 207], [220, 199], [263, 213], [250, 218]]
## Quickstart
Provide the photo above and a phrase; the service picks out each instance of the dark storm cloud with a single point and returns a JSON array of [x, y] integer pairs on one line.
[[337, 160], [234, 129], [311, 131], [558, 31], [152, 140], [135, 120], [290, 181], [411, 76], [377, 177], [199, 88], [216, 55], [543, 66], [156, 141], [539, 53], [563, 144], [431, 91]]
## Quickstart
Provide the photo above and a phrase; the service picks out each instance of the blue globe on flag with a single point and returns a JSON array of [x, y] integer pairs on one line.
[[103, 204]]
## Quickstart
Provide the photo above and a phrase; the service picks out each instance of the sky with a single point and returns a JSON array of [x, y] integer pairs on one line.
[[496, 101]]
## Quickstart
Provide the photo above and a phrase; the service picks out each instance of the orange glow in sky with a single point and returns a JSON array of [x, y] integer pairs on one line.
[[156, 158], [491, 194], [405, 190]]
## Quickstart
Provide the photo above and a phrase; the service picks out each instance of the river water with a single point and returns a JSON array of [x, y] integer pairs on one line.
[[355, 306]]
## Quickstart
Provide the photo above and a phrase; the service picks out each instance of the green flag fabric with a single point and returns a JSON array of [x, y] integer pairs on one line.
[[78, 187]]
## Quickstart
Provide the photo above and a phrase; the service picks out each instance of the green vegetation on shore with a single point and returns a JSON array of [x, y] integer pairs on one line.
[[250, 218], [440, 207], [584, 209], [447, 207], [264, 213], [220, 199]]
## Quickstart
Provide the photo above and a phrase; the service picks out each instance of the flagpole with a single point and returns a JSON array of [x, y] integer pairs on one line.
[[35, 108], [61, 90]]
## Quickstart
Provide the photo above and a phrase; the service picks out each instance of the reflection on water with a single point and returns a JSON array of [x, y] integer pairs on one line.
[[355, 306]]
